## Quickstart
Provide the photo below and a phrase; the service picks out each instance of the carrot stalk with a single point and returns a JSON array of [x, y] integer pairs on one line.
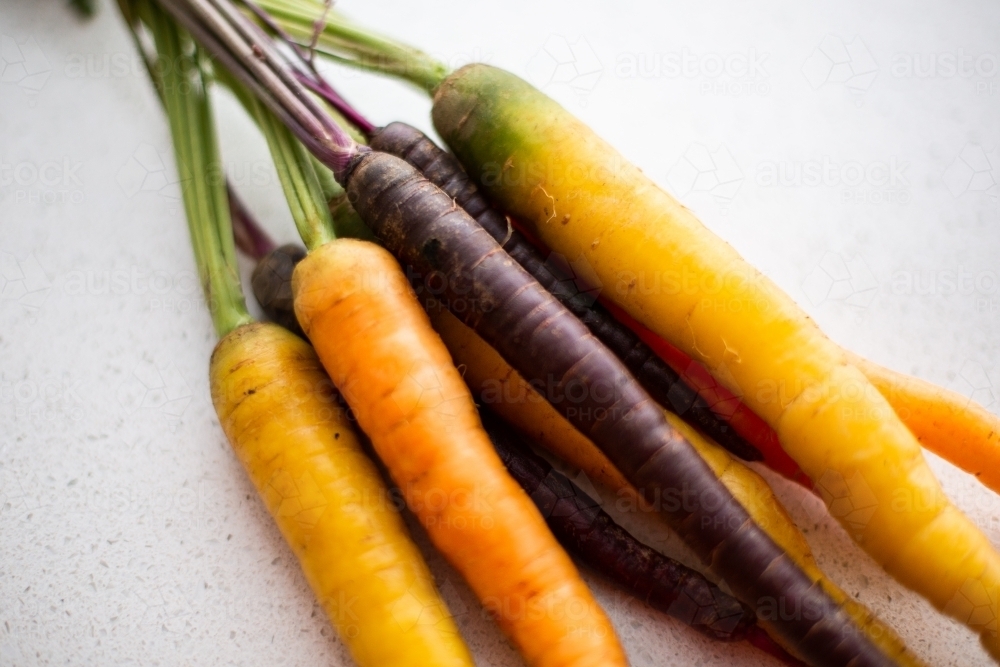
[[347, 42], [196, 149]]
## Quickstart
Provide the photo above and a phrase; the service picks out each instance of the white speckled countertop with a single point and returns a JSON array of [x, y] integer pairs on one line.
[[129, 534]]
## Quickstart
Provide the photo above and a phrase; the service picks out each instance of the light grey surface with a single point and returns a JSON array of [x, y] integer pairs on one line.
[[128, 532]]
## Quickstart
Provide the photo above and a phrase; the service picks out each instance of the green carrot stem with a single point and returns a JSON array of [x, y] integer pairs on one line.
[[344, 41], [297, 170], [196, 150]]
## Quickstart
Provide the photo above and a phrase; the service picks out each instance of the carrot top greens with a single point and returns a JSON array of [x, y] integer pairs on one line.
[[184, 87], [346, 42], [297, 170]]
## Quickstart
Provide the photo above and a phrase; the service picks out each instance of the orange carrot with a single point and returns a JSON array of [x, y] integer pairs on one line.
[[952, 426], [356, 306]]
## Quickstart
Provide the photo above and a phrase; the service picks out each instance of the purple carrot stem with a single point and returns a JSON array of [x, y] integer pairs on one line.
[[250, 238], [333, 98], [313, 80], [273, 25], [250, 55], [318, 26]]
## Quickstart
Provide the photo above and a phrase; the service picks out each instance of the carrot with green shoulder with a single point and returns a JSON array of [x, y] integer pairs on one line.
[[352, 44], [278, 410], [728, 422]]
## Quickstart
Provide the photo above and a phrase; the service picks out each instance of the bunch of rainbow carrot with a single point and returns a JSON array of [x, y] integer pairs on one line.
[[419, 262]]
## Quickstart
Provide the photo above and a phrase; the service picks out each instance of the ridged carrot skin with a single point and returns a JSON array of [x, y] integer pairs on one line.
[[755, 493], [509, 395], [490, 379], [430, 233], [583, 199], [279, 411], [722, 401], [355, 304], [952, 426]]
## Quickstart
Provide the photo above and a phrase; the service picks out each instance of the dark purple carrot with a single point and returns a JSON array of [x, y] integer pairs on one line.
[[272, 285], [249, 237], [661, 381], [546, 343]]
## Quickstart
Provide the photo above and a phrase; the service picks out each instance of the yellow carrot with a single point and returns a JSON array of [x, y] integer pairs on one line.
[[355, 304], [279, 411]]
